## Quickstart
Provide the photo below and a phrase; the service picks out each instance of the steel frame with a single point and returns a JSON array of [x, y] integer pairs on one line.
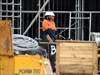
[[12, 16], [78, 25]]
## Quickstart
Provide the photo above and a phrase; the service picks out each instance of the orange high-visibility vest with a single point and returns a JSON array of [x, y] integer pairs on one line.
[[46, 24]]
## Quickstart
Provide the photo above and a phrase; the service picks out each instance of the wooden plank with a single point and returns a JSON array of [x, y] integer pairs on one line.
[[47, 43], [75, 63], [58, 59], [76, 44], [86, 69], [49, 38], [74, 41], [85, 48], [72, 55], [76, 59], [95, 63], [47, 67], [6, 47], [74, 74], [66, 52]]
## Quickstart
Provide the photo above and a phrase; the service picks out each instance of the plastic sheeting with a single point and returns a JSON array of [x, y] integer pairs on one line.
[[26, 45]]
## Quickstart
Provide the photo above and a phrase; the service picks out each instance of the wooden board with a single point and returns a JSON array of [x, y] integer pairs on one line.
[[76, 57], [47, 67], [6, 47]]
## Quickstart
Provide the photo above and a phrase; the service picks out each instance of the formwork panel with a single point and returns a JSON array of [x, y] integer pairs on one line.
[[29, 65], [22, 65], [76, 58]]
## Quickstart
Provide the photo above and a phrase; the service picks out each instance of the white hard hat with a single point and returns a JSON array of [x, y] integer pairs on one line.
[[49, 13]]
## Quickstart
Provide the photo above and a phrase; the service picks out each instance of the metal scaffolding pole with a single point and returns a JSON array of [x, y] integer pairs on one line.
[[20, 16], [78, 26], [76, 20], [36, 17], [0, 9], [6, 9], [59, 12], [13, 15], [69, 35], [39, 4], [83, 20], [90, 25]]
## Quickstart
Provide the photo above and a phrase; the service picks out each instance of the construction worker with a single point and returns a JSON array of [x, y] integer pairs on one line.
[[48, 26]]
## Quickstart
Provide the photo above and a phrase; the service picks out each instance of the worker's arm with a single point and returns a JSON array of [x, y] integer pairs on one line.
[[45, 25]]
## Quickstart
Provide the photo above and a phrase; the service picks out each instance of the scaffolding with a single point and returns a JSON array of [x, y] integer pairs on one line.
[[70, 23], [11, 10]]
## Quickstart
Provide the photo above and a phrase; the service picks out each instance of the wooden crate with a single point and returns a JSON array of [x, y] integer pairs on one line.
[[76, 58]]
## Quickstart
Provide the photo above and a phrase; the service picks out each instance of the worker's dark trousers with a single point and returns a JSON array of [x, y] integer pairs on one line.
[[49, 32]]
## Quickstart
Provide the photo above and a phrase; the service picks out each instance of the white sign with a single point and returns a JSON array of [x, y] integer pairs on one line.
[[53, 49]]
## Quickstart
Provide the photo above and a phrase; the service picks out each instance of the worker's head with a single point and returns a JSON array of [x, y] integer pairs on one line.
[[49, 15]]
